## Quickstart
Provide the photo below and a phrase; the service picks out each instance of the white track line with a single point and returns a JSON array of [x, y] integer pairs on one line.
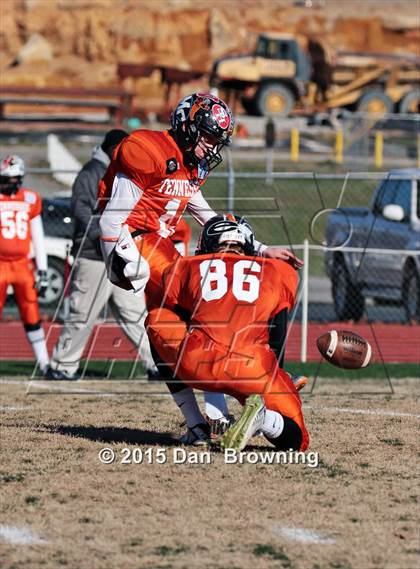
[[66, 389], [12, 408], [19, 536], [15, 381], [302, 535], [381, 412]]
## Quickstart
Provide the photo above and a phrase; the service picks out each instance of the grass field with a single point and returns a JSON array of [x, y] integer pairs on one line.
[[63, 508], [281, 210]]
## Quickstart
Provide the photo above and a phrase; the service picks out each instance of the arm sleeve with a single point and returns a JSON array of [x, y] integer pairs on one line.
[[200, 209], [125, 195], [38, 242], [83, 202], [259, 247]]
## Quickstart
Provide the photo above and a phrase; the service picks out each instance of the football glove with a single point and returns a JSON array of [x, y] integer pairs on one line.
[[41, 282]]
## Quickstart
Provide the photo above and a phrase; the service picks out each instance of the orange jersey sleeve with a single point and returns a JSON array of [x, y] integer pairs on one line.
[[16, 213]]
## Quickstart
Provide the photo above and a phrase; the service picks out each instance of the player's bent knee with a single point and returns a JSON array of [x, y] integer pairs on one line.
[[291, 437]]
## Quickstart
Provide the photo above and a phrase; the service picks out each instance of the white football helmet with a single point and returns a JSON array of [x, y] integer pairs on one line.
[[12, 171]]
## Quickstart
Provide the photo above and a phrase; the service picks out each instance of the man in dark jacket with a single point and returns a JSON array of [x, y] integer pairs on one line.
[[90, 289]]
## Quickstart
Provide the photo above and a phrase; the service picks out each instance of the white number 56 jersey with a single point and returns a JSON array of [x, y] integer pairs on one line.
[[16, 212]]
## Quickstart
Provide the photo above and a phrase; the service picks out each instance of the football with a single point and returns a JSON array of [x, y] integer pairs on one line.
[[345, 349]]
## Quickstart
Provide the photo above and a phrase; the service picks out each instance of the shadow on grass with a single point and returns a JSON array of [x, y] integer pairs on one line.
[[133, 436], [113, 434]]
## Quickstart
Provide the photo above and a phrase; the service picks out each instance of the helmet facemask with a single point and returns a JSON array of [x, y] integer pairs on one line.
[[10, 185], [12, 171]]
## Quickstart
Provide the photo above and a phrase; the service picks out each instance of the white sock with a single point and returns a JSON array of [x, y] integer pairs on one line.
[[273, 424], [37, 340], [188, 406], [215, 405]]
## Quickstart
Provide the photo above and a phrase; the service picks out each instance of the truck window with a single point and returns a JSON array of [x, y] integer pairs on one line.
[[272, 49], [393, 192], [384, 196], [261, 49], [402, 196], [284, 51]]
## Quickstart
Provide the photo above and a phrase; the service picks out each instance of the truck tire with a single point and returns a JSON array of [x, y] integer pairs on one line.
[[411, 294], [55, 275], [274, 99], [349, 303], [410, 103], [375, 102]]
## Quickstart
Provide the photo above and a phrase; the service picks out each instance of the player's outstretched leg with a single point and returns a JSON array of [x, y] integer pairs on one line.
[[249, 422]]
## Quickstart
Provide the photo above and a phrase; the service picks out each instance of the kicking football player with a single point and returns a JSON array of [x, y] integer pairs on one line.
[[153, 177], [21, 224], [229, 297]]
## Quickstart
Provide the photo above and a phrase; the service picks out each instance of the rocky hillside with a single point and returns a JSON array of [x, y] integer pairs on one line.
[[81, 42]]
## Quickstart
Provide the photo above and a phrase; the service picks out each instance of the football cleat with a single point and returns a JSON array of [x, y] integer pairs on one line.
[[58, 375], [218, 427], [154, 375], [299, 381], [248, 424], [199, 435]]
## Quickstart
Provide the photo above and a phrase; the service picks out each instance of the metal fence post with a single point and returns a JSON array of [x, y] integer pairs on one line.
[[305, 300], [231, 183]]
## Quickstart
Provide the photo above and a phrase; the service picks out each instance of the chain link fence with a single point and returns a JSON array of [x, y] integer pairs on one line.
[[359, 234]]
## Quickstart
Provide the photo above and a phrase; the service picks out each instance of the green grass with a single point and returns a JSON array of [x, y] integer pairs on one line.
[[281, 212], [98, 369]]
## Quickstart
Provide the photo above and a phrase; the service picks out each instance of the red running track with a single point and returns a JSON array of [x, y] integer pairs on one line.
[[396, 342]]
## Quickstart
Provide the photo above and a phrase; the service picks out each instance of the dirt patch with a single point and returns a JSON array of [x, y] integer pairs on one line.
[[358, 507]]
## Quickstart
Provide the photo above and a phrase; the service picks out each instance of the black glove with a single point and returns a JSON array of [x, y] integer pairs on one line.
[[41, 282]]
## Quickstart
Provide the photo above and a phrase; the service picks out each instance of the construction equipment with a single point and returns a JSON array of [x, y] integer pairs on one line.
[[281, 76]]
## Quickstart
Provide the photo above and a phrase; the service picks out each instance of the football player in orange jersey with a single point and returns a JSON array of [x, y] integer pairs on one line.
[[21, 224], [213, 332], [152, 179]]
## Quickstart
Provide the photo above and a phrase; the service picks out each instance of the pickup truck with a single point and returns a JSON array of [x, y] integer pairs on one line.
[[375, 252]]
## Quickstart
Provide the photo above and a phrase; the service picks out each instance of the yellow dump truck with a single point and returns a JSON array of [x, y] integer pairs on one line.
[[282, 75]]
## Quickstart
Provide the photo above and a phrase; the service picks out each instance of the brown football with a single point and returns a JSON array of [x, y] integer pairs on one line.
[[345, 349]]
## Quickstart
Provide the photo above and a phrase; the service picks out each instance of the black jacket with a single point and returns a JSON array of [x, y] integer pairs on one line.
[[83, 205]]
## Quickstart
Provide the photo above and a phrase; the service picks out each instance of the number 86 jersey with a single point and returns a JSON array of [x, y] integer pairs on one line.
[[16, 213], [230, 297]]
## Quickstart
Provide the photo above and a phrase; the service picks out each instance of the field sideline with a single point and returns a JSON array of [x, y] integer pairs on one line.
[[61, 506]]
